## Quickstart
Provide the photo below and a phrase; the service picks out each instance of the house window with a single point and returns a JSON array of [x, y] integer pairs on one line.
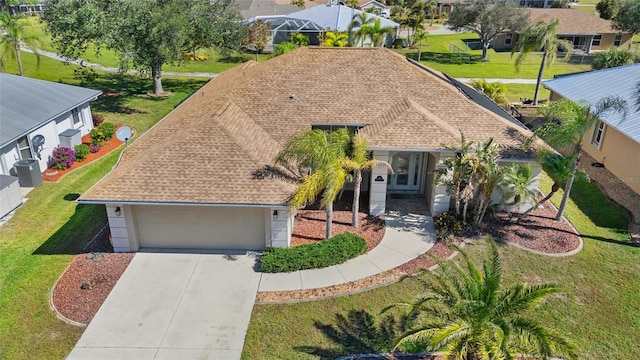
[[598, 134], [596, 40], [508, 39], [352, 128], [75, 113], [617, 40], [24, 148]]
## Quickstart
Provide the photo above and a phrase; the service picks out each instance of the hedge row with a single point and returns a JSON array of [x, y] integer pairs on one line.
[[336, 250]]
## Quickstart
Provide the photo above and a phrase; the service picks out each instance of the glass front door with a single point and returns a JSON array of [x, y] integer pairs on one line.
[[407, 171]]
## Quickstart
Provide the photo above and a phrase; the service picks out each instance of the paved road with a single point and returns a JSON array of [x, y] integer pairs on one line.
[[174, 306]]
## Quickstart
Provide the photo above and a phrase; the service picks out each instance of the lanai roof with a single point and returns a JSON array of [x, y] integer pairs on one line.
[[209, 148]]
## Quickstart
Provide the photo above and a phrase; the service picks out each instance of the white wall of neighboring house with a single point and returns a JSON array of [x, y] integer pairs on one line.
[[9, 153]]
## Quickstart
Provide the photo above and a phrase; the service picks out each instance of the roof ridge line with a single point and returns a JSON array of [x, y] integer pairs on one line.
[[433, 117]]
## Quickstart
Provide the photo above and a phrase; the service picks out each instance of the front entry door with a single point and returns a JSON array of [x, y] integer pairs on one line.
[[407, 170]]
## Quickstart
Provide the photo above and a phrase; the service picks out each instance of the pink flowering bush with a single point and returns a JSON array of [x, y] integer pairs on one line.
[[63, 158]]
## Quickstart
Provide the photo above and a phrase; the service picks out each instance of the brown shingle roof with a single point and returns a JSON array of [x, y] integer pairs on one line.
[[209, 148], [572, 21]]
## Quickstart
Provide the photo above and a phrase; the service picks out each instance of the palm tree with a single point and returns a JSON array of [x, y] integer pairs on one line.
[[558, 167], [323, 154], [612, 57], [419, 37], [335, 39], [359, 20], [431, 6], [357, 162], [537, 37], [12, 37], [516, 184], [470, 316], [495, 91], [575, 121], [376, 32]]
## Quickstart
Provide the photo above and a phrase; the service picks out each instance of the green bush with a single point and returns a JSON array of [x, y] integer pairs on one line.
[[81, 151], [102, 133], [336, 250], [447, 224]]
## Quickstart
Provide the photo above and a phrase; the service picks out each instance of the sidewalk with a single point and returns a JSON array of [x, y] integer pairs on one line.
[[504, 81], [407, 236]]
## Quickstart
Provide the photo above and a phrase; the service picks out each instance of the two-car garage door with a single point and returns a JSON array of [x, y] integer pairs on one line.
[[200, 227]]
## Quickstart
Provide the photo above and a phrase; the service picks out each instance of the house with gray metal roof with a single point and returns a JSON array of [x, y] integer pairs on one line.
[[615, 140], [36, 116]]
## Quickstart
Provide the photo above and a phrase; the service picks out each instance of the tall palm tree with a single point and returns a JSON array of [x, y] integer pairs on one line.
[[357, 22], [419, 36], [469, 315], [12, 36], [357, 162], [376, 32], [558, 167], [541, 37], [323, 154], [576, 121], [431, 6]]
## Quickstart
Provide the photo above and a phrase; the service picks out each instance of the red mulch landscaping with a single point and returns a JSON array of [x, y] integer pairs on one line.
[[53, 175]]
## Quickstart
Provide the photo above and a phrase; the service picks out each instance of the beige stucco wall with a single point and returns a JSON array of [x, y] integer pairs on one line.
[[619, 154], [608, 39]]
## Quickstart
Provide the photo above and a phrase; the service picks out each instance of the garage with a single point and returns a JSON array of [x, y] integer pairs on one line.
[[200, 227]]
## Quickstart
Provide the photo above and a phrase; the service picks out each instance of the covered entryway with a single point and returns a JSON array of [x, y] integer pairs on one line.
[[407, 171], [200, 227]]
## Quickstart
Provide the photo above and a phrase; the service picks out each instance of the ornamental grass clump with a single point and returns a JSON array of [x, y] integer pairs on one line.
[[63, 158]]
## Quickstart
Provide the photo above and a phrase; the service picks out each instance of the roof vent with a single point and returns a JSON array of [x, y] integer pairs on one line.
[[292, 96]]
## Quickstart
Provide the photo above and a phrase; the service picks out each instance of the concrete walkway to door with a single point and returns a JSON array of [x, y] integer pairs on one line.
[[174, 306]]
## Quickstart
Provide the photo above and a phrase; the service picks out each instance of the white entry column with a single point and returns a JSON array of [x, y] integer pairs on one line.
[[378, 192]]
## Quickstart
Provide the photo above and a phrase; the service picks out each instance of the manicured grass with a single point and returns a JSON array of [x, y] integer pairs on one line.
[[39, 242], [599, 310], [517, 91]]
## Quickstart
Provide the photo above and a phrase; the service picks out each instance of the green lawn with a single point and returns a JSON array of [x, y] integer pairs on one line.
[[38, 243], [599, 310], [517, 91]]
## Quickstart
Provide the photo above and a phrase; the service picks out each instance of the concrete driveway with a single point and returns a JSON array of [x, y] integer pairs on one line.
[[174, 306]]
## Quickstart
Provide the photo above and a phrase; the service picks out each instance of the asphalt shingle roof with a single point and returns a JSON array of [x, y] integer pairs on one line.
[[27, 103], [208, 150], [572, 21], [590, 87]]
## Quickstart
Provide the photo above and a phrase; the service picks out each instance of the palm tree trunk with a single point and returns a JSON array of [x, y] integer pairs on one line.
[[156, 73], [19, 59], [536, 205], [540, 73], [568, 186], [356, 198], [329, 211]]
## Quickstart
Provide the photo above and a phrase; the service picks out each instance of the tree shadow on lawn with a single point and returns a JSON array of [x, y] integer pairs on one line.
[[356, 333], [71, 238], [445, 58]]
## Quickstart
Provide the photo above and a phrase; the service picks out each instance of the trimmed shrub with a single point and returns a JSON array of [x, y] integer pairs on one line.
[[97, 119], [81, 152], [94, 148], [102, 133], [447, 224], [336, 250], [62, 157]]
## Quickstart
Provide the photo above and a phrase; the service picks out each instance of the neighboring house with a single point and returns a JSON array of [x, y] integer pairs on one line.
[[37, 116], [587, 33], [252, 8], [27, 9], [614, 141], [283, 26], [375, 7], [197, 179]]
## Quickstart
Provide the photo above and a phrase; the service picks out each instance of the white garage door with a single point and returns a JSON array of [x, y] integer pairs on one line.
[[200, 227]]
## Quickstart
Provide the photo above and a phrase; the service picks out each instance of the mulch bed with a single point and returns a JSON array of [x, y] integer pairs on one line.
[[53, 175]]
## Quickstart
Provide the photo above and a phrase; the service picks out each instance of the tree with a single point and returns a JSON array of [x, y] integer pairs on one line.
[[258, 36], [419, 37], [432, 5], [575, 120], [12, 37], [357, 162], [145, 34], [487, 18], [335, 39], [607, 8], [357, 22], [628, 17], [298, 3], [541, 36], [324, 154], [495, 91], [612, 57], [352, 3], [376, 32], [468, 313], [283, 48], [299, 39], [516, 185]]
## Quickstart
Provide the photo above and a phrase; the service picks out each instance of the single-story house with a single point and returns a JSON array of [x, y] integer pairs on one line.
[[375, 7], [615, 140], [283, 26], [36, 116], [587, 33], [252, 8], [197, 180]]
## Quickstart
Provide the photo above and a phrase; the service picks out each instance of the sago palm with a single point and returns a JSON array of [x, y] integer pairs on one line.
[[466, 313], [12, 36], [516, 185], [575, 120], [323, 154], [357, 162], [539, 36]]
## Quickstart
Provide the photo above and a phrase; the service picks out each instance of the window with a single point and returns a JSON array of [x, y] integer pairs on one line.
[[618, 40], [596, 40], [352, 128], [76, 116], [508, 39], [24, 148], [598, 134]]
